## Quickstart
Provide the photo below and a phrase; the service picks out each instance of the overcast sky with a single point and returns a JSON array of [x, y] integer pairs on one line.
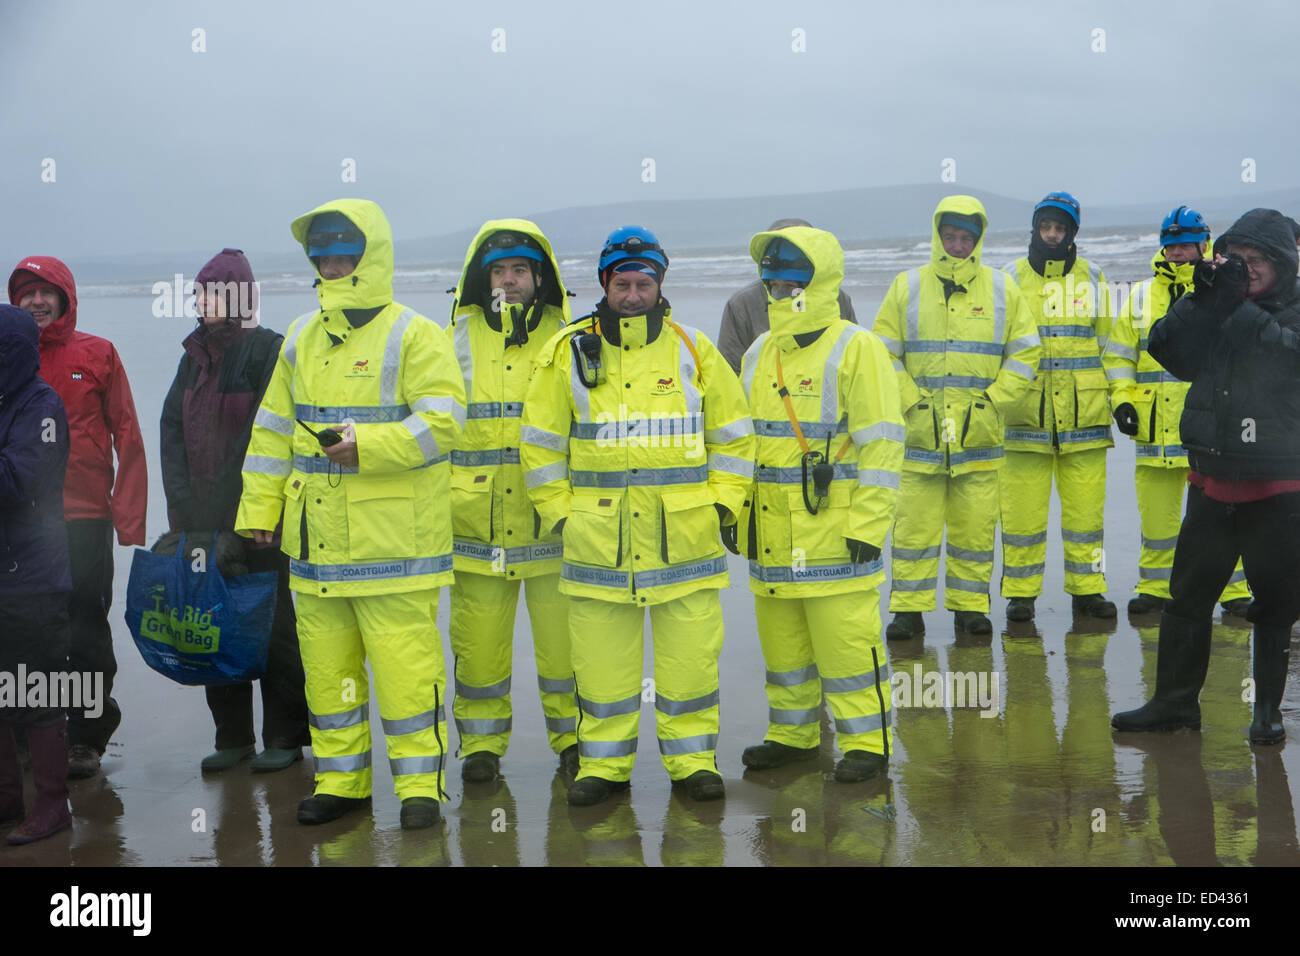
[[156, 146]]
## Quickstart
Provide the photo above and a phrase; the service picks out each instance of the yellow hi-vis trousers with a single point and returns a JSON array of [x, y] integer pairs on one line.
[[482, 639], [1026, 488], [1160, 495], [608, 647], [830, 645], [968, 505], [399, 635]]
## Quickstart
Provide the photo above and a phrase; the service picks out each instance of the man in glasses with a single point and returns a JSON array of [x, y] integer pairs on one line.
[[1148, 405], [509, 302], [1236, 338], [363, 488], [966, 348], [745, 318], [824, 398]]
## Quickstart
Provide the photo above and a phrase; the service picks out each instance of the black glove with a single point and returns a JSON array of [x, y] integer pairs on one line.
[[728, 531], [1126, 419], [1221, 286], [860, 552]]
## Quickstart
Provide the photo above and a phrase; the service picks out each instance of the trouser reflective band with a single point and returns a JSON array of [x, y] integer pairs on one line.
[[841, 634], [1026, 487], [1160, 493], [967, 505], [483, 610]]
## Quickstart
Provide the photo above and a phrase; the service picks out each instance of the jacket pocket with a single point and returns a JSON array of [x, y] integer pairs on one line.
[[471, 505], [1027, 412], [593, 533], [690, 529], [820, 537], [922, 432], [983, 425], [1091, 399], [291, 534], [1144, 403], [381, 518]]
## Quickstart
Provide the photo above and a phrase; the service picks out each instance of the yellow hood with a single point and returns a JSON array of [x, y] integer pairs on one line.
[[554, 294], [821, 305], [371, 283], [959, 271]]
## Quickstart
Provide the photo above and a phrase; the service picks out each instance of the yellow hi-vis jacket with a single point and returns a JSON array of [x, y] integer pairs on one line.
[[636, 464], [496, 529], [843, 389], [964, 359], [1066, 407], [384, 525], [1138, 379]]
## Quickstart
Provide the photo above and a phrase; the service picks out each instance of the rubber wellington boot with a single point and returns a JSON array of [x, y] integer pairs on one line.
[[49, 745], [590, 791], [905, 626], [11, 777], [1147, 604], [770, 754], [1020, 609], [1182, 659], [1272, 653]]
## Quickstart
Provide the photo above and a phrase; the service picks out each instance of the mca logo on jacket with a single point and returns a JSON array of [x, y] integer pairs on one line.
[[361, 368], [666, 386]]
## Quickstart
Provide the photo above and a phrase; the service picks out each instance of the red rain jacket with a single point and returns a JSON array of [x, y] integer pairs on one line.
[[88, 375]]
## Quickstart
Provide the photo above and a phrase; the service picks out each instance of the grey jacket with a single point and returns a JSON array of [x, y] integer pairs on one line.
[[745, 318]]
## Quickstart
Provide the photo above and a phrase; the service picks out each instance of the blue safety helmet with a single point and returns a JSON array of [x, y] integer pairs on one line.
[[334, 234], [510, 245], [785, 261], [1183, 225], [1062, 201], [631, 242]]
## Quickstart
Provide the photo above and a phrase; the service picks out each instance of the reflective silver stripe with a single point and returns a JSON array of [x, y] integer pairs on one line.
[[490, 692], [965, 584], [440, 403], [920, 584], [675, 707], [1028, 435], [795, 718], [464, 353], [686, 367], [405, 766], [887, 430], [1023, 570], [742, 467], [1020, 368], [878, 478], [541, 438], [1080, 567], [616, 708], [894, 346], [480, 410], [483, 728], [423, 436], [410, 725], [1012, 270], [550, 685], [975, 454], [664, 426], [1122, 350], [486, 552], [814, 571], [688, 745], [562, 725], [845, 685], [266, 465], [1057, 331], [320, 465], [348, 718], [1161, 451], [898, 366], [638, 477], [965, 554], [604, 749], [372, 571], [1154, 574], [916, 454], [273, 422], [956, 345], [361, 414], [682, 572], [1000, 280], [1082, 537], [1159, 544], [729, 433], [1119, 374], [831, 373], [581, 396], [547, 473], [913, 305], [596, 577], [1087, 361], [1025, 342], [349, 764], [749, 362], [936, 382], [794, 476], [1145, 378], [290, 350], [792, 678], [785, 429], [484, 457], [393, 359], [1237, 576], [1023, 540], [914, 554], [859, 725]]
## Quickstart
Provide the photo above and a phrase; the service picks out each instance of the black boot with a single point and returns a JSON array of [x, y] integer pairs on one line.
[[1020, 609], [1182, 658], [1272, 653], [905, 626]]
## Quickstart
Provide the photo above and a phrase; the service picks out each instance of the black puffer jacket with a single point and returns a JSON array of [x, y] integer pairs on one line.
[[1241, 419]]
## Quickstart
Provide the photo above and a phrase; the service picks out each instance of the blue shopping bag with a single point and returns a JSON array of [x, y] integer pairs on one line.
[[198, 627]]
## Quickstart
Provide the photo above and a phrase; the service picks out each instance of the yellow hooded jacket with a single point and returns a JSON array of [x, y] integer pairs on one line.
[[843, 388], [964, 358], [382, 526], [496, 529]]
